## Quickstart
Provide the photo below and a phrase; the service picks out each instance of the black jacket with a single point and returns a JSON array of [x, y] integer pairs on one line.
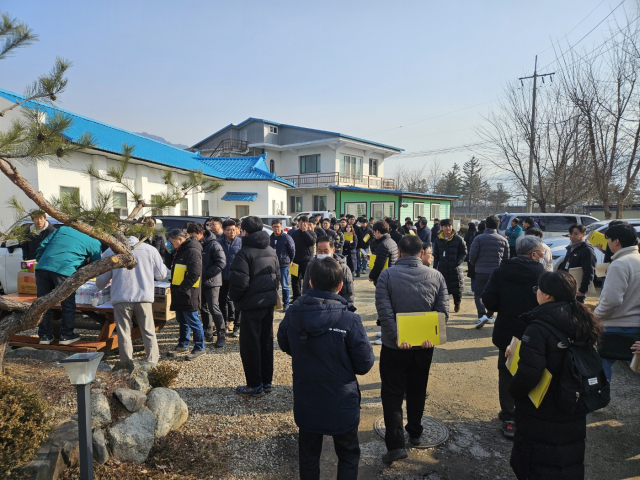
[[320, 232], [385, 248], [448, 256], [510, 293], [304, 242], [347, 282], [396, 235], [468, 240], [30, 246], [425, 234], [213, 261], [326, 397], [582, 256], [435, 231], [339, 241], [255, 274], [332, 234], [185, 296], [361, 233]]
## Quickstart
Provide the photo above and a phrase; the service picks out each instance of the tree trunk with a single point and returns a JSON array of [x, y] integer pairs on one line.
[[607, 211]]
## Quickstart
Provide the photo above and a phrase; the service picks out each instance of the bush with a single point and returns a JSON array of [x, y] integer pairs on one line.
[[24, 423], [163, 375]]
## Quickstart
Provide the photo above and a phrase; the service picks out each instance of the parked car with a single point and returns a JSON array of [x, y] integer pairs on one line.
[[169, 222], [268, 219], [551, 224], [324, 213]]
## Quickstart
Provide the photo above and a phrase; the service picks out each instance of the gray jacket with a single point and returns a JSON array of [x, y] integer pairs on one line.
[[409, 286], [488, 250], [347, 282]]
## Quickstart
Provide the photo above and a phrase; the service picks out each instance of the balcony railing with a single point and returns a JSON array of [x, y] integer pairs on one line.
[[340, 179]]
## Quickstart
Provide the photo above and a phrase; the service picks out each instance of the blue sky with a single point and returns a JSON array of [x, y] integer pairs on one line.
[[183, 70]]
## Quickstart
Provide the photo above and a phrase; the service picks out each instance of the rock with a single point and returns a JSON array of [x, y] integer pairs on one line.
[[71, 453], [132, 439], [100, 411], [128, 365], [131, 399], [37, 354], [147, 366], [140, 381], [49, 461], [170, 410], [100, 451], [104, 367]]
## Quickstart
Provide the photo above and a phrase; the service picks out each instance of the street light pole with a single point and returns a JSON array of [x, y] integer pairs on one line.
[[84, 431]]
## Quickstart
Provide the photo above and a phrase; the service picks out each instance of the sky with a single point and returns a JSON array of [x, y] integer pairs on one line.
[[378, 70]]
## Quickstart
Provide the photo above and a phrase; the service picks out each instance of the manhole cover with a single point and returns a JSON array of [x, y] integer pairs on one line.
[[435, 432]]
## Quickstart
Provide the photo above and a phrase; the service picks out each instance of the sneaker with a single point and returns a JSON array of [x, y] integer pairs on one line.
[[414, 441], [221, 342], [469, 292], [393, 455], [491, 320], [194, 354], [509, 429], [208, 338], [177, 350], [246, 391], [357, 275], [378, 342], [285, 308], [46, 339], [266, 388], [69, 339], [481, 322], [457, 308], [379, 334], [236, 331]]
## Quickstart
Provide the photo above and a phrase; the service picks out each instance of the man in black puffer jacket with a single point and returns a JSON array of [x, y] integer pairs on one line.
[[580, 255], [253, 285], [304, 239], [385, 249], [449, 251]]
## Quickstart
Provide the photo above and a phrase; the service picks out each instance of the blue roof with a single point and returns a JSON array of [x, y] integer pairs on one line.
[[239, 197], [244, 168], [394, 192]]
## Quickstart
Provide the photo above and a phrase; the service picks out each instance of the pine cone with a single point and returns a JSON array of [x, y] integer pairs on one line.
[[41, 136], [60, 152]]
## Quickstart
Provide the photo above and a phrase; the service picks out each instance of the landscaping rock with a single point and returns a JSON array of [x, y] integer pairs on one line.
[[100, 451], [132, 439], [170, 410], [37, 354], [104, 367], [71, 453], [128, 365], [140, 381], [146, 366], [49, 461], [132, 400], [100, 411]]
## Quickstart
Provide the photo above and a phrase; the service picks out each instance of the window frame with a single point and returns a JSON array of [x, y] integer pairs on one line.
[[437, 213], [303, 158], [238, 214], [273, 129], [420, 214], [293, 206], [203, 212], [355, 165], [384, 214], [156, 211], [184, 212], [317, 204], [356, 214], [272, 166], [121, 211], [373, 167]]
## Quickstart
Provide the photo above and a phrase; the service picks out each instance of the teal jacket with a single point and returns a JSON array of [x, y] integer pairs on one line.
[[512, 234], [66, 250]]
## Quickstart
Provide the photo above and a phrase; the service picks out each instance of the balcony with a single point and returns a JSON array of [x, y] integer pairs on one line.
[[309, 180]]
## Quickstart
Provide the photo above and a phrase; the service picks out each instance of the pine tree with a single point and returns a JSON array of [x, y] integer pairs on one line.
[[471, 182]]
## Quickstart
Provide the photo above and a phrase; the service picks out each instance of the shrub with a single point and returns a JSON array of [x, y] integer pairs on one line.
[[163, 375], [24, 423]]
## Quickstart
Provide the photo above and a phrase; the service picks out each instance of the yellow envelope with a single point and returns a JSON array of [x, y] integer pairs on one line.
[[348, 237], [514, 356], [372, 261], [537, 394], [597, 239], [179, 272], [293, 269], [366, 238], [415, 328]]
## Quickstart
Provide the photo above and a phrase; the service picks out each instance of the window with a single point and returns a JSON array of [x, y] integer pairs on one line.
[[295, 204], [205, 208], [373, 167], [435, 210], [587, 220], [272, 166], [71, 195], [119, 200], [557, 223], [319, 203], [418, 210], [350, 168], [356, 209], [184, 207], [382, 209], [155, 199], [310, 164], [242, 211], [273, 129]]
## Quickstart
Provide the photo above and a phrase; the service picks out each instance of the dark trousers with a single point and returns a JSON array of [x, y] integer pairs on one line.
[[457, 298], [296, 282], [481, 281], [403, 372], [46, 282], [507, 405], [256, 346], [512, 251], [210, 312], [227, 308], [347, 449]]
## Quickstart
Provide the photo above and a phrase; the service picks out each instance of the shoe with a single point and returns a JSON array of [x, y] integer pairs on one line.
[[481, 322], [378, 342], [46, 339], [246, 391], [509, 429], [393, 455], [208, 338], [69, 339], [177, 350], [236, 331], [357, 275], [266, 388], [457, 308], [469, 292], [285, 308], [221, 342], [414, 441], [491, 320], [194, 354], [379, 334]]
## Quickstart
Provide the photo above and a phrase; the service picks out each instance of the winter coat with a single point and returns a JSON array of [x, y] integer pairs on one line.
[[185, 296], [66, 250], [619, 301], [230, 250], [332, 234], [396, 235], [510, 293], [347, 279], [320, 232], [255, 274], [435, 231], [488, 250], [549, 444], [304, 243], [214, 261], [350, 252], [409, 286], [339, 241], [285, 248], [424, 234], [361, 233], [329, 347], [30, 246], [512, 234], [581, 256], [386, 248], [448, 256]]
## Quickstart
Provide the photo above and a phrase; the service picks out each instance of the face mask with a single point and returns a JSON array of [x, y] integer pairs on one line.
[[322, 255]]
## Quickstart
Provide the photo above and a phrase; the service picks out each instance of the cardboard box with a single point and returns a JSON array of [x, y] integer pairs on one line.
[[160, 307], [27, 283], [29, 265]]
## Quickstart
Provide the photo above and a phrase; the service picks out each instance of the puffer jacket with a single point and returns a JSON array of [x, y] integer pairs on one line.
[[30, 246], [285, 248], [255, 274], [512, 234], [362, 233], [319, 231], [347, 281], [510, 293], [435, 231], [448, 256], [66, 250], [213, 261], [332, 234], [304, 243], [339, 242], [230, 250], [582, 256], [185, 296], [425, 234], [488, 250], [329, 347], [409, 286], [385, 248]]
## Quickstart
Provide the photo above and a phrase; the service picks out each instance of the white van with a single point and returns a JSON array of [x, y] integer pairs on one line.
[[551, 224]]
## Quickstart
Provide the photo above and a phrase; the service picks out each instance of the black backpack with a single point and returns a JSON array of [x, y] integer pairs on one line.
[[583, 386]]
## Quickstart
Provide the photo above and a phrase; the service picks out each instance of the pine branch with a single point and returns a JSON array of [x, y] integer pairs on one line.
[[16, 35]]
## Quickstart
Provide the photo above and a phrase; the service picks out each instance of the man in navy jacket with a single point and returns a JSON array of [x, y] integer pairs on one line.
[[329, 347], [231, 244], [285, 248]]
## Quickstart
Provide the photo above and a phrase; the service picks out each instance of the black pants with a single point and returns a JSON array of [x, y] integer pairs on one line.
[[403, 372], [256, 346], [227, 308], [507, 405], [210, 312], [296, 282], [512, 251], [347, 449], [457, 298]]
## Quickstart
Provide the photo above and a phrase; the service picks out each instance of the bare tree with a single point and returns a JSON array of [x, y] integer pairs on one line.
[[422, 179]]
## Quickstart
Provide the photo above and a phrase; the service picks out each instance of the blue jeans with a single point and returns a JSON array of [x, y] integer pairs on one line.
[[46, 282], [190, 321], [284, 280], [363, 263], [473, 284], [607, 364]]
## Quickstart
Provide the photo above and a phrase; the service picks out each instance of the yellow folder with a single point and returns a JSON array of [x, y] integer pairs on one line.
[[293, 269], [415, 328], [372, 261], [537, 394], [366, 238], [179, 271], [514, 356], [348, 237], [597, 239]]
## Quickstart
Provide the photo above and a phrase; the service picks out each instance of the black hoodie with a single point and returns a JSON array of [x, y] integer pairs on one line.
[[255, 274], [185, 296], [213, 261]]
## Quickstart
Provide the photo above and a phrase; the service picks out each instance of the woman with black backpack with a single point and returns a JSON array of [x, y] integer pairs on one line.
[[549, 443]]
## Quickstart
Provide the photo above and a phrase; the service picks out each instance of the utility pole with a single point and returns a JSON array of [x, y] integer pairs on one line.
[[533, 129]]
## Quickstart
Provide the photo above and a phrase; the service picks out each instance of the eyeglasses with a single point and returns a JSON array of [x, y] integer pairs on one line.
[[535, 289]]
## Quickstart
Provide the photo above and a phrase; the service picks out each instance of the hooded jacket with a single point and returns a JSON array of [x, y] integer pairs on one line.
[[581, 256], [347, 282], [66, 250], [619, 301], [34, 239], [510, 293], [512, 234], [329, 347], [285, 248], [255, 274], [230, 250], [448, 256], [185, 296], [304, 243], [385, 248], [339, 241], [488, 250], [425, 234], [362, 232], [213, 261], [435, 231]]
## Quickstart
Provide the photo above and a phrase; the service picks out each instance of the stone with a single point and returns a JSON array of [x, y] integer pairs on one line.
[[100, 411], [170, 410], [104, 367], [146, 366], [37, 354], [139, 381], [132, 400], [132, 439], [50, 461], [100, 451], [128, 365], [71, 453]]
